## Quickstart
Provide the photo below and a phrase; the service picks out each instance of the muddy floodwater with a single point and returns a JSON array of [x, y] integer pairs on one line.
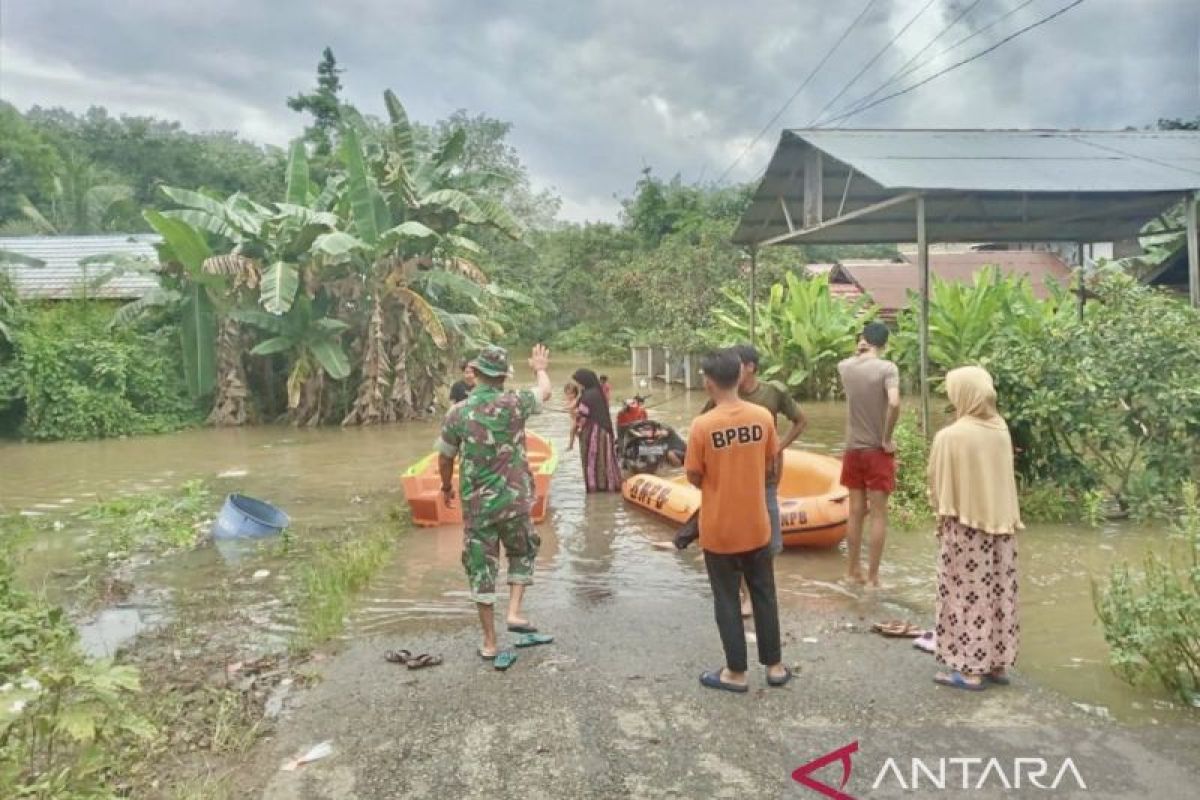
[[594, 548]]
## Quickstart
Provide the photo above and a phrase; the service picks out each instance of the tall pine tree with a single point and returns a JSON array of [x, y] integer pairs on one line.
[[323, 104]]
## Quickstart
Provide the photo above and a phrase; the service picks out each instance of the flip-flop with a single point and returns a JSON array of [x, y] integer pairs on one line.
[[999, 680], [897, 628], [424, 660], [485, 656], [526, 628], [504, 659], [787, 676], [397, 656], [534, 639], [957, 681], [926, 642], [712, 679]]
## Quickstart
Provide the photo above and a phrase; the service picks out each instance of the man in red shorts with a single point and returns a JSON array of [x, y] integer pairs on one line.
[[872, 386]]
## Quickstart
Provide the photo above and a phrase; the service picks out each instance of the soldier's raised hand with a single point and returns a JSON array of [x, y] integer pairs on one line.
[[540, 360]]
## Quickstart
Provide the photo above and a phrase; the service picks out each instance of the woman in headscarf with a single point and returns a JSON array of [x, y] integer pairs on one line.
[[597, 440], [973, 491]]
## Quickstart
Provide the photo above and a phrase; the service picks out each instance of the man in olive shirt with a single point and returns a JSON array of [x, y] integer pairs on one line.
[[777, 401]]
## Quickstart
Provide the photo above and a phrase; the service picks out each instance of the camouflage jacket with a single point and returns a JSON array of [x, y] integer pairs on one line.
[[487, 432]]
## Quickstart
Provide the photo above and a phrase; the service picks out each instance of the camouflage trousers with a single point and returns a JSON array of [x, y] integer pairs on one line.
[[481, 555]]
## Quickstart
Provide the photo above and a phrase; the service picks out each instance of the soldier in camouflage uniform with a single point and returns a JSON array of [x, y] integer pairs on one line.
[[486, 432]]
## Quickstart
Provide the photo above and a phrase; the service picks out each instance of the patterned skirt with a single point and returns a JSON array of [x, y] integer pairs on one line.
[[601, 470], [978, 629]]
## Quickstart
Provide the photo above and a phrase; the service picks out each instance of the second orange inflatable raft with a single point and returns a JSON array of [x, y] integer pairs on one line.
[[422, 485], [813, 505]]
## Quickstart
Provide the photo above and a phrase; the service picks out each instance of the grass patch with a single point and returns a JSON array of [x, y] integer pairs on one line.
[[338, 571], [156, 523]]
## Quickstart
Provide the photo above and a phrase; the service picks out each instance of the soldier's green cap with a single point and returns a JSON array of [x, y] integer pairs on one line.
[[491, 361]]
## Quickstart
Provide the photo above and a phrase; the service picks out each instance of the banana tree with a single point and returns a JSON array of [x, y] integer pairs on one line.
[[411, 216], [311, 340], [803, 331], [182, 253], [968, 321], [252, 235]]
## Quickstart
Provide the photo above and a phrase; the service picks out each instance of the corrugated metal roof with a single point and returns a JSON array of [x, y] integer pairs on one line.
[[63, 278], [1018, 161], [979, 186]]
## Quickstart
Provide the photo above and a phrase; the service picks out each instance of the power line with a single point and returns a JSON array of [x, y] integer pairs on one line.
[[951, 68], [871, 63], [796, 93], [905, 73], [901, 71]]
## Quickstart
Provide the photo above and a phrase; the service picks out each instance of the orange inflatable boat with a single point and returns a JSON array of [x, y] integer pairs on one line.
[[813, 505], [422, 485]]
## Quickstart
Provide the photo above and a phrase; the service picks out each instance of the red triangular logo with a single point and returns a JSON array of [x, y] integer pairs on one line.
[[803, 775]]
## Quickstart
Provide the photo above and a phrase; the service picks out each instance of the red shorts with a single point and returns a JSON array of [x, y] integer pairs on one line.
[[872, 470]]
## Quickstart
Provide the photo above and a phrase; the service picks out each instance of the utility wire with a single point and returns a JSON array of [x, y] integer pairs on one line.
[[800, 89], [905, 73], [952, 67], [871, 63], [901, 71]]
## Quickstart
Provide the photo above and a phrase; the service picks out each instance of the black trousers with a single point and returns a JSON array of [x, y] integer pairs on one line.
[[724, 573]]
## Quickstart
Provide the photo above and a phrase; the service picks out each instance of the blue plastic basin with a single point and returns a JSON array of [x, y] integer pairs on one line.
[[246, 518]]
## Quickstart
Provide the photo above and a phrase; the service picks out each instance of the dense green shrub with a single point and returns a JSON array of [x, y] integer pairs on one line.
[[1111, 401], [79, 379], [1152, 619]]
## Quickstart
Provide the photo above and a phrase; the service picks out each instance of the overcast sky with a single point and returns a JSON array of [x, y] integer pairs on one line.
[[599, 89]]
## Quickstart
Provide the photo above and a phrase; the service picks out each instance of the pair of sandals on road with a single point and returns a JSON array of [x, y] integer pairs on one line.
[[923, 640], [406, 658], [712, 680], [503, 659]]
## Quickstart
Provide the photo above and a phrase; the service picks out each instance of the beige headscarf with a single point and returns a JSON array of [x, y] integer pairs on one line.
[[971, 464]]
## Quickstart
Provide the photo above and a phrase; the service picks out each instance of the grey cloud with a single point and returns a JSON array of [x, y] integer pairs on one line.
[[596, 90]]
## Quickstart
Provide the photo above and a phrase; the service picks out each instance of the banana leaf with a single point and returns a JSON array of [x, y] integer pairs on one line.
[[279, 285], [298, 187], [361, 199], [198, 333]]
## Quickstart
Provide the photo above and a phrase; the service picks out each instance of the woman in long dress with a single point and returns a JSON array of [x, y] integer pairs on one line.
[[597, 440], [973, 491]]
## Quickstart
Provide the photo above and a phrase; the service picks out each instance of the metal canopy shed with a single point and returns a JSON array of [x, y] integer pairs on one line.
[[886, 186]]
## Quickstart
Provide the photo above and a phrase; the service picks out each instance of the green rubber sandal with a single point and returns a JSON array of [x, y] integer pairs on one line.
[[534, 639]]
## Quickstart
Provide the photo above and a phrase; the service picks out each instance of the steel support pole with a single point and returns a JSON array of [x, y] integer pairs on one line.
[[923, 278], [753, 296], [1082, 263]]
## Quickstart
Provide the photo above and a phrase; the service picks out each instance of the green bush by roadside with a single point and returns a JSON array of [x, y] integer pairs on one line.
[[1151, 618]]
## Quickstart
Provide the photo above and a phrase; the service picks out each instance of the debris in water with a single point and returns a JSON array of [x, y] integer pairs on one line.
[[59, 525], [1096, 711], [236, 472], [31, 513], [315, 753], [809, 640], [66, 501], [260, 574]]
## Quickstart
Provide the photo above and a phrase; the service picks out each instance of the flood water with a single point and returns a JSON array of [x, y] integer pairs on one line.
[[594, 548]]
